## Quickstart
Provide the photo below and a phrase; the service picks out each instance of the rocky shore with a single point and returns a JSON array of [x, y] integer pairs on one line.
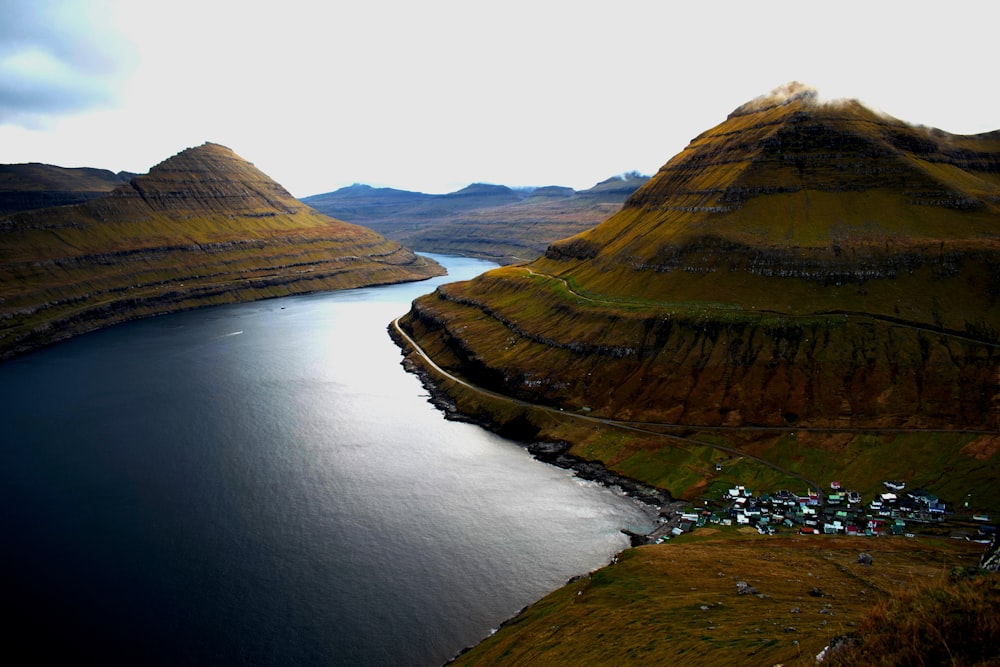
[[554, 453]]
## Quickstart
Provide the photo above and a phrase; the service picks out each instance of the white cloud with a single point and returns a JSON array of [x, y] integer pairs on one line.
[[58, 58], [434, 95]]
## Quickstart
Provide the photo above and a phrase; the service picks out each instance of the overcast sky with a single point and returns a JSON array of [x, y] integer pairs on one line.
[[434, 95]]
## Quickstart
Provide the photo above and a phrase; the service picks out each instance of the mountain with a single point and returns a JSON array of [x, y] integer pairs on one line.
[[489, 221], [813, 283], [203, 227], [363, 202], [808, 294], [34, 185], [777, 249]]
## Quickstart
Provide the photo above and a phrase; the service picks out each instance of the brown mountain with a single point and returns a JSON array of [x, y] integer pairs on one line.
[[492, 222], [802, 267], [33, 185], [202, 227]]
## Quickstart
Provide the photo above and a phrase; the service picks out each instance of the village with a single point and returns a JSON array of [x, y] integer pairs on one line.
[[895, 511]]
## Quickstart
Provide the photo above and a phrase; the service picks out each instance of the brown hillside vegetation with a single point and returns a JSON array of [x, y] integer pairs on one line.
[[680, 604], [203, 227], [957, 623]]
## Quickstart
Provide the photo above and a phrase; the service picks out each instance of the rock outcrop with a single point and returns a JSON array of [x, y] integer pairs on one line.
[[203, 227]]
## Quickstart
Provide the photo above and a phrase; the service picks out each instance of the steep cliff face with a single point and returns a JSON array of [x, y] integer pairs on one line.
[[801, 263], [203, 227]]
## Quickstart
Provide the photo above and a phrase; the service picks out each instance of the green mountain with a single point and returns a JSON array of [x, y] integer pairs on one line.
[[203, 227], [802, 262], [492, 222]]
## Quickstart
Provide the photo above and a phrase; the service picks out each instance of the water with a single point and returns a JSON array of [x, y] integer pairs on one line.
[[264, 484]]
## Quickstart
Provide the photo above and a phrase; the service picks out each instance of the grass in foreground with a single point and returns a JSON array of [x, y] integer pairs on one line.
[[953, 624], [678, 603]]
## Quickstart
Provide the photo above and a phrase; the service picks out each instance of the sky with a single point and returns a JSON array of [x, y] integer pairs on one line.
[[434, 95]]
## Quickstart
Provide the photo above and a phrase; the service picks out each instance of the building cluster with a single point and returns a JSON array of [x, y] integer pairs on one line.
[[838, 511]]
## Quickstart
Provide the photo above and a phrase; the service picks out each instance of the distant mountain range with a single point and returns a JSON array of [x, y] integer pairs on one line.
[[203, 227], [493, 222]]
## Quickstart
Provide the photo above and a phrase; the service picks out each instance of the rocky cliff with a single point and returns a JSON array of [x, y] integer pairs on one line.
[[802, 263], [202, 227]]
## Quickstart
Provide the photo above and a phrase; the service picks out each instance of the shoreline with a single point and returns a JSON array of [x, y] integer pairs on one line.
[[551, 452], [116, 312]]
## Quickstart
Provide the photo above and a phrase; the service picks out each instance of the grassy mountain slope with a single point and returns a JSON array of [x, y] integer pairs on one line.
[[677, 604], [800, 263], [203, 227], [488, 221], [811, 283]]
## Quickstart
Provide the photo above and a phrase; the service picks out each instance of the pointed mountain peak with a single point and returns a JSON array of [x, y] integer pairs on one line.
[[207, 159], [203, 177], [790, 169], [202, 227]]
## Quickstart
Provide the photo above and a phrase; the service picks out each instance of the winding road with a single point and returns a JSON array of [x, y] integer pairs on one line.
[[638, 427], [649, 427]]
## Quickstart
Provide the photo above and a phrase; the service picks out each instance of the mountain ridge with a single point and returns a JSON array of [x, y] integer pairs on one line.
[[797, 144], [36, 185], [489, 221]]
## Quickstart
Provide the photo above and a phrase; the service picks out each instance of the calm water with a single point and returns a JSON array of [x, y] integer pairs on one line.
[[264, 484]]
